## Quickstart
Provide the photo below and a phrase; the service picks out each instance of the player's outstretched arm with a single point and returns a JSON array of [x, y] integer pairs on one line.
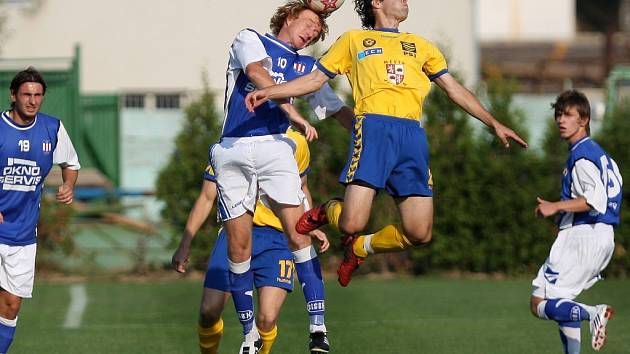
[[468, 102], [1, 218], [257, 74], [197, 216], [308, 83], [65, 193]]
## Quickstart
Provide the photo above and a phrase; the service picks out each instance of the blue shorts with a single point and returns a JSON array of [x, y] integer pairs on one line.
[[391, 153], [272, 261]]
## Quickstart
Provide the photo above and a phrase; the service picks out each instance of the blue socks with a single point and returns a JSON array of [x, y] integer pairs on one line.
[[241, 287], [310, 277], [570, 336], [563, 310], [7, 331]]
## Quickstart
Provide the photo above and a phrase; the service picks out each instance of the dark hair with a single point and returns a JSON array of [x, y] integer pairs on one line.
[[365, 12], [293, 9], [28, 75], [573, 99]]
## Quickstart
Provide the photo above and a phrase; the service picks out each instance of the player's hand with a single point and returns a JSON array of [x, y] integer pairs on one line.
[[309, 132], [1, 218], [504, 134], [321, 237], [255, 99], [65, 194], [545, 208], [181, 258]]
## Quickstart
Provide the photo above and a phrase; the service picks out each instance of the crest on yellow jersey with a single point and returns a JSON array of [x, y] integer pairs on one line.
[[369, 42], [395, 72]]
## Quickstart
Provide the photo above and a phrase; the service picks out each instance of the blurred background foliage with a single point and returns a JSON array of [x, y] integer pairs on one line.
[[484, 194]]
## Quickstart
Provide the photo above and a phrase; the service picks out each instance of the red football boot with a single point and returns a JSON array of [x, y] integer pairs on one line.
[[312, 219], [350, 261]]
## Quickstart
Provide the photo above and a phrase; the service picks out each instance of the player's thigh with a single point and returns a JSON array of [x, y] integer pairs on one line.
[[357, 205], [277, 172], [576, 257], [270, 301], [236, 178], [17, 271], [416, 215]]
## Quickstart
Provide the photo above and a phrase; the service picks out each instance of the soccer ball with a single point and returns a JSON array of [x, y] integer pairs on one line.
[[324, 6]]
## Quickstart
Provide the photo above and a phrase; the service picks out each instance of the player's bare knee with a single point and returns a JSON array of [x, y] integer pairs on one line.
[[350, 227], [299, 241], [208, 316], [266, 320], [533, 305], [420, 237]]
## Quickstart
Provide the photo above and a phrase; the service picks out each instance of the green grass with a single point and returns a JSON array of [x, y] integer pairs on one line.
[[419, 315]]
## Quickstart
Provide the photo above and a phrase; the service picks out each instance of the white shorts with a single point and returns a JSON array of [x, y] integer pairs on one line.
[[17, 269], [576, 258], [255, 167]]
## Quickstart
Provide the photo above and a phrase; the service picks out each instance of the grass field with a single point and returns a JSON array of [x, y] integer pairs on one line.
[[419, 315]]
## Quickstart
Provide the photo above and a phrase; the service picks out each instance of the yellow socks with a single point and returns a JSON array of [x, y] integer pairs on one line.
[[388, 239], [268, 339], [209, 338], [333, 212]]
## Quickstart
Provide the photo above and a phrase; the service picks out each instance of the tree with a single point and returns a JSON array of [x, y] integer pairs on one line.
[[179, 182]]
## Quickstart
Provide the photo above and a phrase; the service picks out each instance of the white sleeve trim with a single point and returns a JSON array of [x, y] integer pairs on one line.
[[324, 102], [246, 49], [587, 183], [64, 154]]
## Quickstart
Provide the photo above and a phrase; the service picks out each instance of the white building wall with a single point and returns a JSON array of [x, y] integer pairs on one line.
[[526, 20], [153, 45]]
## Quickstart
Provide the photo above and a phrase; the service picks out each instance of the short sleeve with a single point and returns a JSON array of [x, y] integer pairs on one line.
[[338, 59], [247, 48], [65, 155], [435, 64], [587, 183]]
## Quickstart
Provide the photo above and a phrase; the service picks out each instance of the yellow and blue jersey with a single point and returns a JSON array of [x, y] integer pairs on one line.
[[390, 72], [263, 216]]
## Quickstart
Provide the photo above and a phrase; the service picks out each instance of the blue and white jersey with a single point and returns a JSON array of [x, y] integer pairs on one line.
[[27, 153], [283, 63], [592, 174]]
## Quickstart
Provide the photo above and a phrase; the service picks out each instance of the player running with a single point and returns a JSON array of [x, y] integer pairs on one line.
[[589, 206], [30, 144]]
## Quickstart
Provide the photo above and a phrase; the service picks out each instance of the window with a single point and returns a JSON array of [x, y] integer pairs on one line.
[[134, 101], [170, 101]]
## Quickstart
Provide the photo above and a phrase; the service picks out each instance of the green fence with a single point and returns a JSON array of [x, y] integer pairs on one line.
[[92, 121]]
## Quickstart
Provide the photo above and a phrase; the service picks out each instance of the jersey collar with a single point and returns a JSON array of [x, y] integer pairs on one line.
[[579, 142], [385, 29], [7, 118], [285, 45]]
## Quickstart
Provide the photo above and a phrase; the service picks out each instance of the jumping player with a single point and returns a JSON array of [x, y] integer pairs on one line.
[[390, 74]]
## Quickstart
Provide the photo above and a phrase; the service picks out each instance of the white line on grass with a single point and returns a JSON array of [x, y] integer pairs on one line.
[[78, 301]]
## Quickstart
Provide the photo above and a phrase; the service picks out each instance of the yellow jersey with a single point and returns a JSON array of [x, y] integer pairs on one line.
[[390, 72]]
